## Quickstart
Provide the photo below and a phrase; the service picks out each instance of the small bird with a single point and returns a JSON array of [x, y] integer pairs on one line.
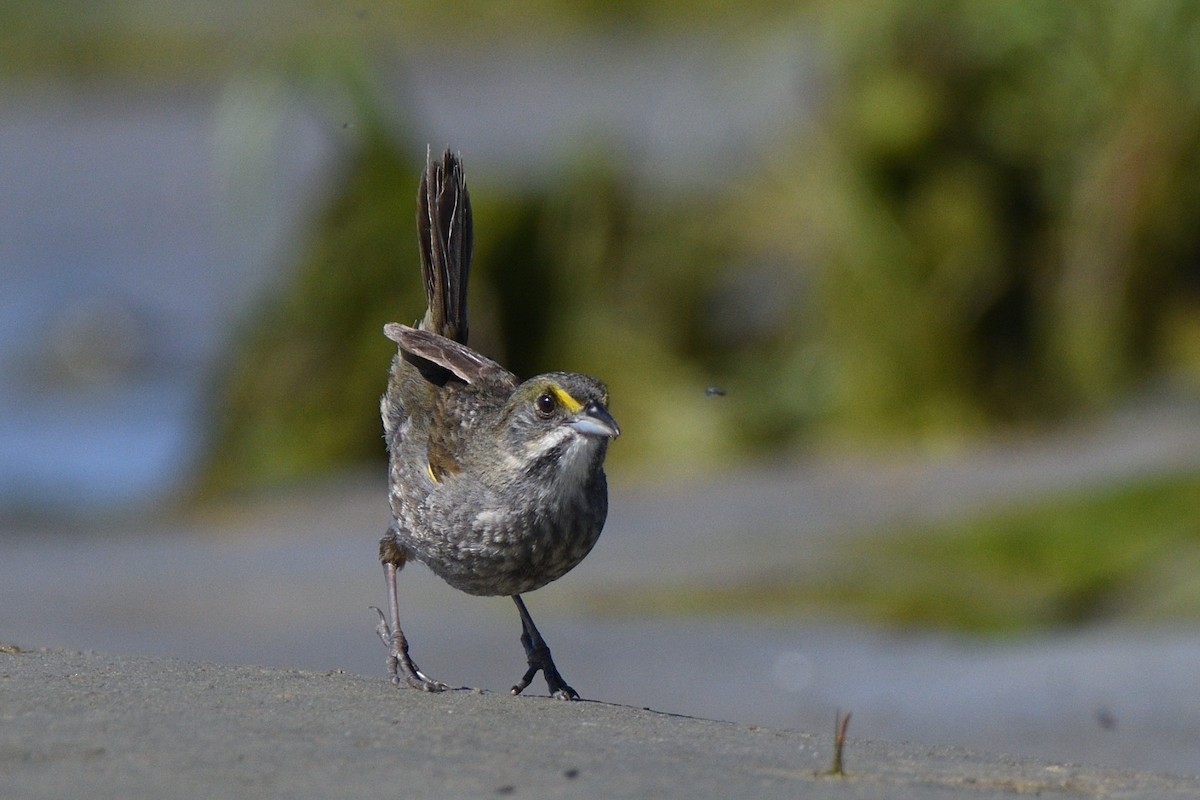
[[495, 484]]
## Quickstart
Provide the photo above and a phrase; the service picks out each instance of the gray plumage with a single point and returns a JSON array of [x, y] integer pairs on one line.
[[496, 484]]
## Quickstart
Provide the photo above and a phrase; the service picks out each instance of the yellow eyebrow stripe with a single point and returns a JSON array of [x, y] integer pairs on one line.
[[569, 403]]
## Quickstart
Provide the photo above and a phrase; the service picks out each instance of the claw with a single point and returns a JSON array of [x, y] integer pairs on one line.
[[526, 679], [419, 681], [400, 665], [540, 661], [537, 655]]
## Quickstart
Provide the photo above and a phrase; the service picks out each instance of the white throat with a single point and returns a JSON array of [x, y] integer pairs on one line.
[[575, 460]]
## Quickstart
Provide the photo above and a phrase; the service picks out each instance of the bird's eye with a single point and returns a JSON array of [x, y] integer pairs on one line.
[[544, 404]]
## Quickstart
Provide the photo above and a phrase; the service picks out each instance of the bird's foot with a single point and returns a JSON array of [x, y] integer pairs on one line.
[[400, 664], [540, 661]]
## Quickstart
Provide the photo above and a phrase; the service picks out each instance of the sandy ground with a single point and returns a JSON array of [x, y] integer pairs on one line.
[[100, 726]]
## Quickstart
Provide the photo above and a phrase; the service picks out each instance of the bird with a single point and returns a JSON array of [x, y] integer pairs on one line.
[[496, 484]]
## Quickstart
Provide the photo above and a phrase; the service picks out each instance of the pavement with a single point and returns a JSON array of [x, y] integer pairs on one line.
[[264, 601], [102, 726]]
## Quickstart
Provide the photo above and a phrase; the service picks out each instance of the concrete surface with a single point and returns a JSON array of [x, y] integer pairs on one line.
[[100, 726]]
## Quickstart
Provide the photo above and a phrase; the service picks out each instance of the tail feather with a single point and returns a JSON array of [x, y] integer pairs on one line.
[[445, 233]]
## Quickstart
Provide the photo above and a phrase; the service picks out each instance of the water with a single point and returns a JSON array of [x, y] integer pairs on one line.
[[121, 279]]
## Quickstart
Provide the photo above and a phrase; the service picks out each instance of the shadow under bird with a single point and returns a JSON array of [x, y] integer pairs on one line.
[[495, 484]]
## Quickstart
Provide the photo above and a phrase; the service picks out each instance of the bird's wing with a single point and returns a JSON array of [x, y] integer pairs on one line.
[[466, 364]]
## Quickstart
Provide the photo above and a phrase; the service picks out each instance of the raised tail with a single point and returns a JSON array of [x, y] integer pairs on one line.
[[445, 234]]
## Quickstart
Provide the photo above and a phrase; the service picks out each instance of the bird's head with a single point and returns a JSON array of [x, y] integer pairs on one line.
[[557, 425]]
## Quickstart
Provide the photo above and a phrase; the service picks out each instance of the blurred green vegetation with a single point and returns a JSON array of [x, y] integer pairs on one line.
[[998, 211], [1112, 553], [300, 390], [993, 220]]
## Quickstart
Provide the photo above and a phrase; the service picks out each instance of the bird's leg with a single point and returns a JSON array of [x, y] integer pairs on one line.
[[399, 663], [537, 654]]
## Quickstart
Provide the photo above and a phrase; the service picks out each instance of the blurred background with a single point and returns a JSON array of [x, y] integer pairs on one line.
[[899, 306]]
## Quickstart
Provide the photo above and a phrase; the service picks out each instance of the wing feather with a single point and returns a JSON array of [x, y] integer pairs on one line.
[[466, 364]]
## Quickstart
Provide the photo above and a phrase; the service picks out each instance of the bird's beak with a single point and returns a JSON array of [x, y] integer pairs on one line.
[[594, 420]]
